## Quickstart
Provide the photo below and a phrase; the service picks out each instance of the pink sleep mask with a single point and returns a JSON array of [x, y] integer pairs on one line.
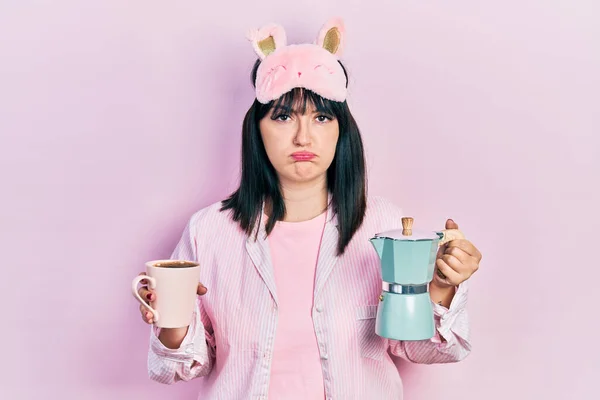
[[311, 66]]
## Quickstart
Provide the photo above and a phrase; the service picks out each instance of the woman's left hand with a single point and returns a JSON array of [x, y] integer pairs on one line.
[[456, 261]]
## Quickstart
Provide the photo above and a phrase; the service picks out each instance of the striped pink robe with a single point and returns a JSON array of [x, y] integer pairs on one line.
[[230, 341]]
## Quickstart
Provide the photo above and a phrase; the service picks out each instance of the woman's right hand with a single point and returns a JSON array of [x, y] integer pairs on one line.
[[170, 337]]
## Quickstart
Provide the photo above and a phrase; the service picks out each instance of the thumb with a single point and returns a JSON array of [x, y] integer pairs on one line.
[[450, 224]]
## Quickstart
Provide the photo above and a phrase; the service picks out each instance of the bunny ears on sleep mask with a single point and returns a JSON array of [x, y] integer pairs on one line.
[[311, 66]]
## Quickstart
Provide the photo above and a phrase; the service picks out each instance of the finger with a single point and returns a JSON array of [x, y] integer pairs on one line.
[[459, 254], [440, 274], [146, 315], [465, 269], [453, 263], [452, 277], [465, 245], [143, 282], [450, 224], [146, 294], [201, 289]]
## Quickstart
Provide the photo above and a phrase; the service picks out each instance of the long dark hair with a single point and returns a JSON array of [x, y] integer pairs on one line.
[[346, 176]]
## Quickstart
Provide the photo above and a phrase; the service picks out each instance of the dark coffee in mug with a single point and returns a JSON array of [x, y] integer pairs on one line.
[[175, 264]]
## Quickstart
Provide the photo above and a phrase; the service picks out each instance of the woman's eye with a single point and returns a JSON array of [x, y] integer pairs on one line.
[[282, 117], [323, 118]]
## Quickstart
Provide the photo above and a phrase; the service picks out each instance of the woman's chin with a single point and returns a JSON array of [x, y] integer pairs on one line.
[[304, 173]]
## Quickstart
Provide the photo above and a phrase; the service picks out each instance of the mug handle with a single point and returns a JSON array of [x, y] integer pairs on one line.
[[134, 291], [447, 235]]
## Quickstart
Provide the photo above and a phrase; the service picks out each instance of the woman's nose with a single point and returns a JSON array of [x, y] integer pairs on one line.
[[302, 137]]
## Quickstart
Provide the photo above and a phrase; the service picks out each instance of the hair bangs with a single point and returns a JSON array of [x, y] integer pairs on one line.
[[298, 100]]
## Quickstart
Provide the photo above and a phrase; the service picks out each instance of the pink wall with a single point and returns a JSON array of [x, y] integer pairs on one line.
[[118, 119]]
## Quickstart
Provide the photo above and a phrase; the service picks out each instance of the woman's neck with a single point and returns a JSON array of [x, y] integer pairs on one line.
[[304, 201]]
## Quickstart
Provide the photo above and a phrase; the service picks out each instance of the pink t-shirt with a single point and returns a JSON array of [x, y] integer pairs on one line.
[[296, 367]]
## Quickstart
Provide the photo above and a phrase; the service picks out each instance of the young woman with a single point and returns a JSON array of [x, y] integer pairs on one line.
[[291, 282]]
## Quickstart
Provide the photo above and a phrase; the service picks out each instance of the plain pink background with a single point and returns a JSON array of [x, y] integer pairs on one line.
[[118, 119]]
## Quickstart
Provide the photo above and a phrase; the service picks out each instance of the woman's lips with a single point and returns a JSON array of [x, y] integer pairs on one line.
[[303, 156]]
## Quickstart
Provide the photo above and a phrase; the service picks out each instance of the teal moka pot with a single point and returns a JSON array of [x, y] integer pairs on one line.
[[405, 311]]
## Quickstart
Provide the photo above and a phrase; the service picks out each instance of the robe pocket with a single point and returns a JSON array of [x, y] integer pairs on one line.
[[371, 345]]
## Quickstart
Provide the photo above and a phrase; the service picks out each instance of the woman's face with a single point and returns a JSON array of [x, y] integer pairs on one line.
[[301, 147]]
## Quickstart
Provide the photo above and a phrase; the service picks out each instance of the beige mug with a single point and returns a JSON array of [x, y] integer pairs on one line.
[[175, 285]]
